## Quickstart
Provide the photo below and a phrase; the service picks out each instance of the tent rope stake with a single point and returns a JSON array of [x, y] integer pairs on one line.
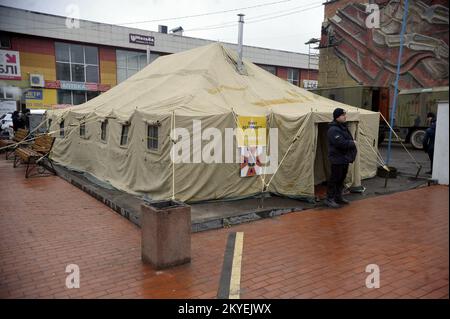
[[403, 145], [377, 153]]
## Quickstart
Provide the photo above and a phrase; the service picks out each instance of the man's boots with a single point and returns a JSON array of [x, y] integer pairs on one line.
[[339, 198], [331, 203], [342, 200]]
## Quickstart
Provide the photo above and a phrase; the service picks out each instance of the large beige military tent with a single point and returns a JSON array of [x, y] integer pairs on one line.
[[123, 136]]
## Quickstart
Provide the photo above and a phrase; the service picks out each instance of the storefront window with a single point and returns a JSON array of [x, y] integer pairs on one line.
[[131, 62], [90, 95], [121, 74], [62, 52], [75, 97], [293, 76], [64, 97], [76, 54], [92, 73], [78, 73], [79, 97], [91, 55], [131, 72], [143, 61], [121, 59], [5, 41], [8, 92], [76, 62], [63, 71], [269, 68]]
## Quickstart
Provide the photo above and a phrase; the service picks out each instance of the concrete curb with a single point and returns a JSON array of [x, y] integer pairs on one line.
[[132, 212]]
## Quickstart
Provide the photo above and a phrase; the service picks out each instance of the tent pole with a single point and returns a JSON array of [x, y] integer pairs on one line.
[[240, 38]]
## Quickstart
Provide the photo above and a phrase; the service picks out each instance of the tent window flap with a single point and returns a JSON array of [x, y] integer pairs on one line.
[[82, 129], [152, 137], [103, 127], [61, 129], [124, 135]]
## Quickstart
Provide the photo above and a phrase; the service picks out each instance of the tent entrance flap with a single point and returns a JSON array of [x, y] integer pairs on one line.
[[321, 162]]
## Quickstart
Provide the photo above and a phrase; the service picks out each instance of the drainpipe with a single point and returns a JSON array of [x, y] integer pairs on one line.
[[240, 35]]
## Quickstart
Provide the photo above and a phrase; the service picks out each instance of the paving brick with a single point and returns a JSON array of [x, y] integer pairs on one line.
[[47, 223]]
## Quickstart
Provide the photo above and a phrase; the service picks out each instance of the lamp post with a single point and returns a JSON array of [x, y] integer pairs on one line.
[[309, 42], [397, 77]]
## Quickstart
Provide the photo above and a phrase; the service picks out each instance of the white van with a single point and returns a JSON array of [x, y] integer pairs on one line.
[[6, 124]]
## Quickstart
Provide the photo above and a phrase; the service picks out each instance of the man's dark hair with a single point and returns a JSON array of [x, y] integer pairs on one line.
[[338, 112]]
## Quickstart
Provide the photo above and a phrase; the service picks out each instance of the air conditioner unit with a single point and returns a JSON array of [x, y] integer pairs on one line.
[[37, 80]]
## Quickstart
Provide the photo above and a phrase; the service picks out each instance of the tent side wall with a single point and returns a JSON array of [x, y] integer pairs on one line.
[[123, 166], [136, 169]]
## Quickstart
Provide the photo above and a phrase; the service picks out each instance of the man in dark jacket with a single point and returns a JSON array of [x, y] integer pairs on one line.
[[26, 118], [15, 119], [428, 140], [341, 152]]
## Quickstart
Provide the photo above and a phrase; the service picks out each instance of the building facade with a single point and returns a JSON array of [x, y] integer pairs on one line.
[[360, 44], [47, 61]]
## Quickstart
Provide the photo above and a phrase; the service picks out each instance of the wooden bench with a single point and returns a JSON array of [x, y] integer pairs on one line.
[[10, 145], [35, 154]]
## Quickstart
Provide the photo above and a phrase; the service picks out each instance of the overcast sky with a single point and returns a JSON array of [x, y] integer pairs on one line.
[[277, 24]]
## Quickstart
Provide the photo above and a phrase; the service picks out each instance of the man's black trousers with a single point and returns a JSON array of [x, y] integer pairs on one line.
[[335, 184], [430, 153]]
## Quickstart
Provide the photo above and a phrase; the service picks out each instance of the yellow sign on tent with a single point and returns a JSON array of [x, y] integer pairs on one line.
[[251, 131]]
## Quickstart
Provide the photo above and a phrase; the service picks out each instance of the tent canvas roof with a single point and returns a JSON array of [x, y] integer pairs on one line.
[[205, 81]]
